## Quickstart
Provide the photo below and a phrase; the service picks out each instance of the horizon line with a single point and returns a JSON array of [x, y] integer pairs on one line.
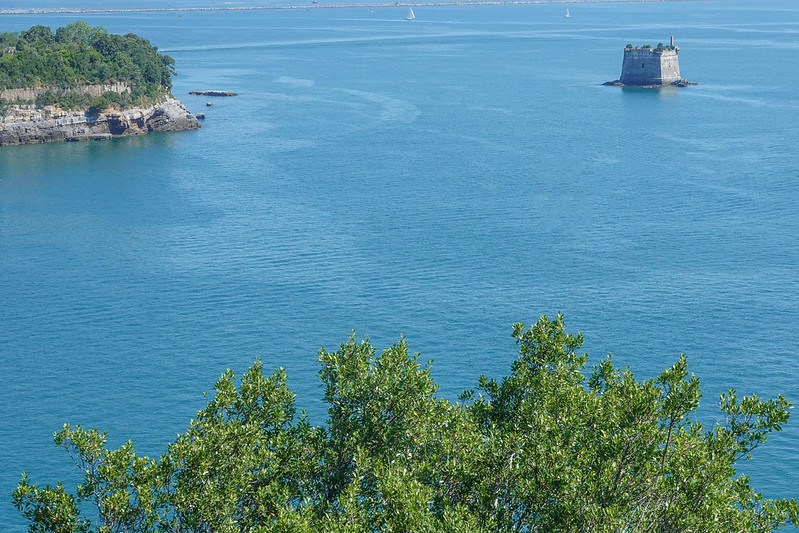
[[57, 11]]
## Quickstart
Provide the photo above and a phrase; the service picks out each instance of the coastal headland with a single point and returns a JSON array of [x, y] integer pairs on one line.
[[82, 83]]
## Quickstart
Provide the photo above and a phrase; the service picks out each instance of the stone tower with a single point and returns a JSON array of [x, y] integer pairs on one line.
[[650, 66]]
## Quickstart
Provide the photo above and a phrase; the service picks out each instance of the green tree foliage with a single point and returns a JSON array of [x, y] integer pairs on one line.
[[550, 447], [78, 54]]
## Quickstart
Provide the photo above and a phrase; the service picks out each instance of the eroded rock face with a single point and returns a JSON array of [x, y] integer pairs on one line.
[[171, 116], [32, 93], [29, 125]]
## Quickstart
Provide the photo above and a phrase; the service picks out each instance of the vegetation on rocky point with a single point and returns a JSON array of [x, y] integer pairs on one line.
[[78, 54]]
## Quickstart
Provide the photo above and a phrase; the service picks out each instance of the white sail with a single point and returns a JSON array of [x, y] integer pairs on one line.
[[567, 15], [411, 15]]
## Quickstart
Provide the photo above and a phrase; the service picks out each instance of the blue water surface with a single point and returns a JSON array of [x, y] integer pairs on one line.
[[441, 179]]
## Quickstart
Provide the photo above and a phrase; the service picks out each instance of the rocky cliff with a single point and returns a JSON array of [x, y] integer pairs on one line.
[[32, 93], [28, 124]]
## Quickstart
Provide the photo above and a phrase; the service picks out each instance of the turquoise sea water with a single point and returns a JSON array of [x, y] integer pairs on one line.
[[440, 179]]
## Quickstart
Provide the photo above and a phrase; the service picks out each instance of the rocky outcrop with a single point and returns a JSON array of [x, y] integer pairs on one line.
[[682, 82], [214, 93], [30, 125]]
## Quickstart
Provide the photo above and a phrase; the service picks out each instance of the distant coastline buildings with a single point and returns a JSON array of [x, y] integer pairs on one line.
[[310, 4]]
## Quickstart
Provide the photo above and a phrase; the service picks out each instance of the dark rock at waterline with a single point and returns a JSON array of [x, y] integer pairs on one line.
[[214, 93], [677, 83]]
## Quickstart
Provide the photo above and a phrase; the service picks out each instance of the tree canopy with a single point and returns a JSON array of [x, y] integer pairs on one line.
[[78, 54], [550, 447]]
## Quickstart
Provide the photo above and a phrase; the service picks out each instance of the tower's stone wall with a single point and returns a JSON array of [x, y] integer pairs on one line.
[[669, 67], [650, 66]]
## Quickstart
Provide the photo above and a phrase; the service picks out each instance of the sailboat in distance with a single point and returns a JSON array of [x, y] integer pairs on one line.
[[411, 15], [567, 15]]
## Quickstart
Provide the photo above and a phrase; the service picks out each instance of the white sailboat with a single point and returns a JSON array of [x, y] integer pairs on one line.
[[567, 15], [411, 15]]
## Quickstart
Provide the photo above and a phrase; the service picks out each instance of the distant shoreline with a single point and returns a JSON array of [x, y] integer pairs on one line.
[[58, 11]]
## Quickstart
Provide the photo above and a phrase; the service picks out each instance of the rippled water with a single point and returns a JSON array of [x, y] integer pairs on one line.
[[440, 179]]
